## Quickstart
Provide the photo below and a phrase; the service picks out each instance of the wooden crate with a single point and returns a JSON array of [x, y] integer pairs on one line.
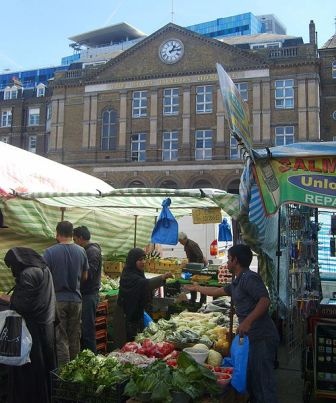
[[112, 267]]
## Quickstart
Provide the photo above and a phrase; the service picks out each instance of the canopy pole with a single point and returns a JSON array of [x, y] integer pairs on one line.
[[135, 229], [62, 213]]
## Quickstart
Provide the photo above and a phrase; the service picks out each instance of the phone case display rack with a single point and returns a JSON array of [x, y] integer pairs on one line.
[[298, 237]]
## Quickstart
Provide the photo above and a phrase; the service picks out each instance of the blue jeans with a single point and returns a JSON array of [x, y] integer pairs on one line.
[[89, 308], [261, 383]]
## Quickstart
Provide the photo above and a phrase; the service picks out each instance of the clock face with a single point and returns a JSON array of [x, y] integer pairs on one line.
[[171, 51]]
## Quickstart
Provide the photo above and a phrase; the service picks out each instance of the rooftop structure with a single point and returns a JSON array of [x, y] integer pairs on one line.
[[260, 41], [100, 45], [112, 34]]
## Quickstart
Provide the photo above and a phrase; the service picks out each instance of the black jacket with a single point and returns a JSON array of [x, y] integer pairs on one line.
[[92, 284]]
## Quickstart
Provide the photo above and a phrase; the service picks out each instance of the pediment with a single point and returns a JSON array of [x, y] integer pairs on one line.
[[201, 54]]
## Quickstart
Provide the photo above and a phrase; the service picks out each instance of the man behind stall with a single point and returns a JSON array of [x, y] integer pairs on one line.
[[89, 288], [194, 255], [251, 300]]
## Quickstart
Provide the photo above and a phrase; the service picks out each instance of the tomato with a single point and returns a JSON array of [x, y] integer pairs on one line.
[[223, 376], [148, 343], [172, 362]]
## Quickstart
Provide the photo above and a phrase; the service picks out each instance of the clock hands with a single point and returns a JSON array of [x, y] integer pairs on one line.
[[174, 48]]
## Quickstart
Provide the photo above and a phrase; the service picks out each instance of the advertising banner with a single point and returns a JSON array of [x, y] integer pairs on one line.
[[235, 109], [304, 180]]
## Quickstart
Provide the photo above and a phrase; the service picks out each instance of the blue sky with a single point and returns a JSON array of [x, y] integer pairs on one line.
[[34, 33]]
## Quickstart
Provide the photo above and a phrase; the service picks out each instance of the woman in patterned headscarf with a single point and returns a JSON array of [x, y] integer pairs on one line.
[[33, 298], [135, 293]]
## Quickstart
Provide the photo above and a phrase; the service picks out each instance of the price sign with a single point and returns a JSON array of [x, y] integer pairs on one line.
[[206, 215]]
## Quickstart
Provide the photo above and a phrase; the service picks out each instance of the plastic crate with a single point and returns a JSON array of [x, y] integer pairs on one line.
[[172, 289], [76, 392]]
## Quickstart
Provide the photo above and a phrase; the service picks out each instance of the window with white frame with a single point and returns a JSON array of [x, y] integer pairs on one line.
[[11, 92], [32, 144], [4, 139], [139, 104], [170, 101], [284, 94], [109, 130], [234, 154], [33, 116], [40, 90], [203, 145], [284, 135], [170, 146], [138, 147], [6, 118], [243, 90], [204, 99], [333, 70]]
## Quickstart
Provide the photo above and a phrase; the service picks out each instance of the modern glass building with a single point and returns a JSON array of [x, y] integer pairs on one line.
[[30, 78], [238, 25]]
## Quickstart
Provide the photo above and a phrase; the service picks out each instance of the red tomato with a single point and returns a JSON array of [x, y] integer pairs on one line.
[[148, 343], [172, 362], [223, 376]]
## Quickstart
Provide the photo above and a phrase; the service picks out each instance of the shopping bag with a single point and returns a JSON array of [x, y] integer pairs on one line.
[[239, 357], [15, 339], [147, 319], [166, 227]]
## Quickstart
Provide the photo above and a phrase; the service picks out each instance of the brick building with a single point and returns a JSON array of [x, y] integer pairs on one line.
[[153, 116]]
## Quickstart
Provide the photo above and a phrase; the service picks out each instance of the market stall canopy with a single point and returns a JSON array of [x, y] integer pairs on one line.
[[24, 172], [303, 173], [37, 193]]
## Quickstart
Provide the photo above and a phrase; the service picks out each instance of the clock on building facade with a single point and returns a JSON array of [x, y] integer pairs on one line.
[[171, 51]]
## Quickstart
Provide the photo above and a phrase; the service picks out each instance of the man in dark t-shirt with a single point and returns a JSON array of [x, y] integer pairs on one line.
[[251, 300], [69, 267]]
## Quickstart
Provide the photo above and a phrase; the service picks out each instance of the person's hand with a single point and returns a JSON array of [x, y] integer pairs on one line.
[[167, 275], [243, 328], [191, 287]]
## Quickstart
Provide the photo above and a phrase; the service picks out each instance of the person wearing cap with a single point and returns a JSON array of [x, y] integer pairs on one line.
[[194, 255], [135, 293]]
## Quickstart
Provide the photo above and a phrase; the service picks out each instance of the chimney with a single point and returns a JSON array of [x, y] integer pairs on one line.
[[312, 39]]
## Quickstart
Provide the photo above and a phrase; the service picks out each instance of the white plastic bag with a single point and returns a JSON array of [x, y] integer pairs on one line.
[[15, 339]]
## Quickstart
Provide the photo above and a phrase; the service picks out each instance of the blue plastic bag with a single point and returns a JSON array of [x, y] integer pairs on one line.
[[147, 319], [239, 357], [166, 228]]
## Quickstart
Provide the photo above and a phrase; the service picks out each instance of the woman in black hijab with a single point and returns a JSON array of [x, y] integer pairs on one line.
[[33, 298], [135, 293]]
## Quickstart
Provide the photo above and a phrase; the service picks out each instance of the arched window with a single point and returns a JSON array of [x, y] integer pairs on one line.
[[202, 183], [136, 184], [168, 184], [109, 130], [233, 187]]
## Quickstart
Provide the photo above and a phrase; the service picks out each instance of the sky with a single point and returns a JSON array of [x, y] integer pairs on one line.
[[34, 33]]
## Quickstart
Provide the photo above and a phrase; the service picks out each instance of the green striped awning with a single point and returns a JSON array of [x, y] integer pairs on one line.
[[117, 220]]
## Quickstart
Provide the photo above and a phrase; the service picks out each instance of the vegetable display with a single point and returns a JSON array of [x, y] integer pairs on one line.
[[160, 381], [188, 327]]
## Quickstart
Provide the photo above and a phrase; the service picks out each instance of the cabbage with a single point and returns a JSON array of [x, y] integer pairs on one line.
[[214, 358]]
